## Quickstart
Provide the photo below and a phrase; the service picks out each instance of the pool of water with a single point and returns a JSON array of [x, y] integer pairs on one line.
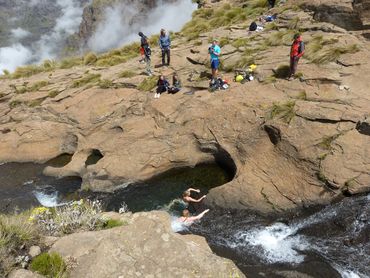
[[22, 186], [165, 191]]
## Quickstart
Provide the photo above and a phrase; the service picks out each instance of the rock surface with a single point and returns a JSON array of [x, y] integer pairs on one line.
[[144, 247], [321, 152], [23, 273]]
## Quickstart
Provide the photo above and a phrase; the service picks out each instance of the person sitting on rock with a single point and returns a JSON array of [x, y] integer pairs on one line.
[[190, 201], [187, 219], [176, 84], [162, 86]]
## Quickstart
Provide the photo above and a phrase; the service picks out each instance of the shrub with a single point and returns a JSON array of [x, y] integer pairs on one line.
[[90, 58], [148, 84], [50, 265], [89, 78], [283, 111], [85, 215]]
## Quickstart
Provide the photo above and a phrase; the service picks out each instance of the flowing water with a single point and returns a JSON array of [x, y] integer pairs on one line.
[[331, 241]]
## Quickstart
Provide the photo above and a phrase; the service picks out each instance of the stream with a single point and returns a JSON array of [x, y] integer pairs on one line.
[[326, 241]]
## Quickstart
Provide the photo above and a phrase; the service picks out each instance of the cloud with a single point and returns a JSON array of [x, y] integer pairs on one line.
[[120, 26], [13, 56], [19, 33]]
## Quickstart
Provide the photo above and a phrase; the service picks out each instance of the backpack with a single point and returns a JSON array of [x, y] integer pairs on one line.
[[253, 26], [301, 47], [147, 51]]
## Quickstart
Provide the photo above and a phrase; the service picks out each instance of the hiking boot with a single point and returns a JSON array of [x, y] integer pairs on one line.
[[290, 78]]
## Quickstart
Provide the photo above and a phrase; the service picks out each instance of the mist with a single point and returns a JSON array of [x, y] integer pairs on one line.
[[118, 28], [121, 25], [49, 45]]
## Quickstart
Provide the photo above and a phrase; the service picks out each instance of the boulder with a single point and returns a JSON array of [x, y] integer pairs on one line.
[[146, 247]]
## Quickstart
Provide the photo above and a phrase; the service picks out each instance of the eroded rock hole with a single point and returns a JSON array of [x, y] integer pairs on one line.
[[94, 157], [60, 161], [274, 134]]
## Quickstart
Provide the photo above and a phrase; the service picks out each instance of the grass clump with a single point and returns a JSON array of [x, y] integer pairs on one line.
[[327, 141], [90, 58], [284, 111], [118, 56], [280, 38], [53, 93], [148, 84], [112, 223], [126, 74], [332, 54], [14, 103], [37, 86], [90, 78], [15, 233], [50, 265], [106, 84], [70, 63], [35, 103], [27, 71]]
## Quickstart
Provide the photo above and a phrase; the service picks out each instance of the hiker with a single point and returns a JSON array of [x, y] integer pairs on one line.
[[162, 86], [271, 3], [190, 201], [215, 52], [296, 52], [145, 52], [176, 84], [187, 219], [165, 45]]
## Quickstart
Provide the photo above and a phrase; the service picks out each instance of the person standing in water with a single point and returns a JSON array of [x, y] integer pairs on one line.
[[190, 201], [165, 45], [187, 219], [145, 52]]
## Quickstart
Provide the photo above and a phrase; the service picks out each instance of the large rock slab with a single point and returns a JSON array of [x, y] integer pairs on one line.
[[145, 247]]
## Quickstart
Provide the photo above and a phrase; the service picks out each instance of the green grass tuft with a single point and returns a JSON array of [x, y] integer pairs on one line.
[[148, 84], [50, 265], [14, 103], [90, 59], [106, 84], [112, 223], [90, 78], [126, 74], [284, 111]]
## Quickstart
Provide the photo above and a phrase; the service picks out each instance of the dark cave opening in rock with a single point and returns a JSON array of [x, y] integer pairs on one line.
[[60, 161], [94, 157]]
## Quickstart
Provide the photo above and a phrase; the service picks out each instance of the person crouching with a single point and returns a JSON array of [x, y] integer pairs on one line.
[[162, 86]]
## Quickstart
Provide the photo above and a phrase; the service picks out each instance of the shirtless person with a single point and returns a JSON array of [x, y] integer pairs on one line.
[[190, 201], [187, 219]]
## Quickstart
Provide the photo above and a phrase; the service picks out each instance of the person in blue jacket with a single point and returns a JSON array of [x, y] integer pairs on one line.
[[215, 52], [165, 45]]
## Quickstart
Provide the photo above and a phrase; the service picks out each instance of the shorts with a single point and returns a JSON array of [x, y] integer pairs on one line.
[[215, 63], [142, 52]]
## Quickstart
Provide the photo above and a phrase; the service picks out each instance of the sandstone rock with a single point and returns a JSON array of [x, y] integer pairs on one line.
[[23, 273], [34, 251], [146, 247]]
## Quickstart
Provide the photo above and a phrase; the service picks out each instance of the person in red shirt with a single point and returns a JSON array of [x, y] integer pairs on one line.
[[296, 52]]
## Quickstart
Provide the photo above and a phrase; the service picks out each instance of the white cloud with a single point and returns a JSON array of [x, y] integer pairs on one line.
[[13, 56], [118, 29], [19, 33]]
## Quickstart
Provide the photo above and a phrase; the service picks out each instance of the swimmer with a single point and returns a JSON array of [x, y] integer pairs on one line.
[[187, 219], [186, 197]]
